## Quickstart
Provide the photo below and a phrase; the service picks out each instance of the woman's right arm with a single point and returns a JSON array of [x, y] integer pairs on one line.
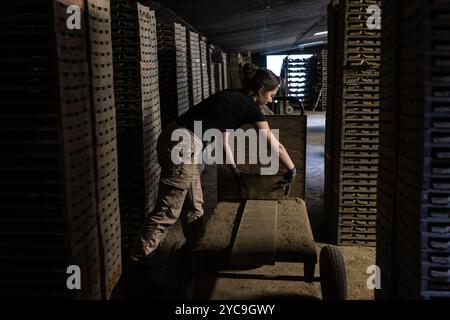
[[229, 158], [284, 156]]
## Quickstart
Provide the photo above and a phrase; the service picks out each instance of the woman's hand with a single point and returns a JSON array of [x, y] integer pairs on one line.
[[238, 177], [288, 178], [236, 172]]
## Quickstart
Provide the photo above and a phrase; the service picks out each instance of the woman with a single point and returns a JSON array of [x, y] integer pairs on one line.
[[180, 193]]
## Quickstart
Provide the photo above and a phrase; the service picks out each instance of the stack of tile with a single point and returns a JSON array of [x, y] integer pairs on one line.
[[211, 69], [218, 75], [330, 220], [235, 64], [356, 116], [194, 68], [423, 183], [389, 117], [324, 58], [225, 71], [313, 81], [173, 71], [413, 230], [204, 65], [105, 147], [295, 72], [48, 215], [137, 111]]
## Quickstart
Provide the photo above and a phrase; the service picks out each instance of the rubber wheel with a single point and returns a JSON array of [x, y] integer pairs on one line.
[[289, 109], [333, 278]]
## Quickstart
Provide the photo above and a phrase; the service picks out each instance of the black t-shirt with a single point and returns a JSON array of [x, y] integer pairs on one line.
[[228, 109]]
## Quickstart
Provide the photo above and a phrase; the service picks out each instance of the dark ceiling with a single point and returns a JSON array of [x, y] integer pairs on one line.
[[261, 26]]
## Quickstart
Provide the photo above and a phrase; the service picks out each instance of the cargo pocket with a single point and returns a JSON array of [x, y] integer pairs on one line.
[[179, 176], [175, 171]]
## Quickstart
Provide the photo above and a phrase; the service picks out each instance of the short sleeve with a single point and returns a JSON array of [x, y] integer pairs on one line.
[[255, 115]]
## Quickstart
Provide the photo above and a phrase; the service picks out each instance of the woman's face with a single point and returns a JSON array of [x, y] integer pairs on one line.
[[265, 97]]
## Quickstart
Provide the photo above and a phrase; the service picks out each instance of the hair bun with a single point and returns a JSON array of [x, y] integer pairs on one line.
[[248, 71]]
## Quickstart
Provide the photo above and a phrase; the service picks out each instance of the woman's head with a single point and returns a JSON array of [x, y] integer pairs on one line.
[[261, 83]]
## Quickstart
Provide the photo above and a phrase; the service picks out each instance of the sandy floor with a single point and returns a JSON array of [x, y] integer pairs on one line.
[[280, 281], [262, 282], [243, 285]]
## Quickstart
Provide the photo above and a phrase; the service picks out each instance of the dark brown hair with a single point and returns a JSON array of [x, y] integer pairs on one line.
[[254, 78]]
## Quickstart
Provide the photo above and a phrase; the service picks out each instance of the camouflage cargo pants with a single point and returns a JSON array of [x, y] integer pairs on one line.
[[179, 193]]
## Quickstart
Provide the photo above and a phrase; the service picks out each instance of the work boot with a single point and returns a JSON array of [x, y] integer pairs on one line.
[[194, 231]]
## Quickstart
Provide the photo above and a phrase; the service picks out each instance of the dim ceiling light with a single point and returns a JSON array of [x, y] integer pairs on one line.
[[309, 44], [320, 33]]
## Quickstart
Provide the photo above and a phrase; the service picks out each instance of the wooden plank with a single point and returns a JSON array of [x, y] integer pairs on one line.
[[295, 240], [292, 134], [258, 187], [256, 237]]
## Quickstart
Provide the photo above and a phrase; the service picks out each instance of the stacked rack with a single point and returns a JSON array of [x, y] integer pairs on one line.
[[423, 188], [211, 69], [173, 72], [356, 109], [218, 75], [313, 81], [333, 13], [295, 70], [137, 110], [48, 216], [324, 64], [204, 65], [225, 71], [414, 191], [235, 64], [103, 104], [194, 68], [386, 193], [151, 106]]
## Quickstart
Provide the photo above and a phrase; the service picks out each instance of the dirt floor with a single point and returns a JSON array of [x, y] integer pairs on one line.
[[247, 286], [280, 281], [267, 282]]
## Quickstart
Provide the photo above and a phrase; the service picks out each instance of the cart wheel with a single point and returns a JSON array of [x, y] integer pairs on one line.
[[289, 109], [333, 278]]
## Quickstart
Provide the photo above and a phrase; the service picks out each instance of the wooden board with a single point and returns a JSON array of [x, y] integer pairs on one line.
[[258, 187], [292, 134], [294, 238], [256, 237]]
